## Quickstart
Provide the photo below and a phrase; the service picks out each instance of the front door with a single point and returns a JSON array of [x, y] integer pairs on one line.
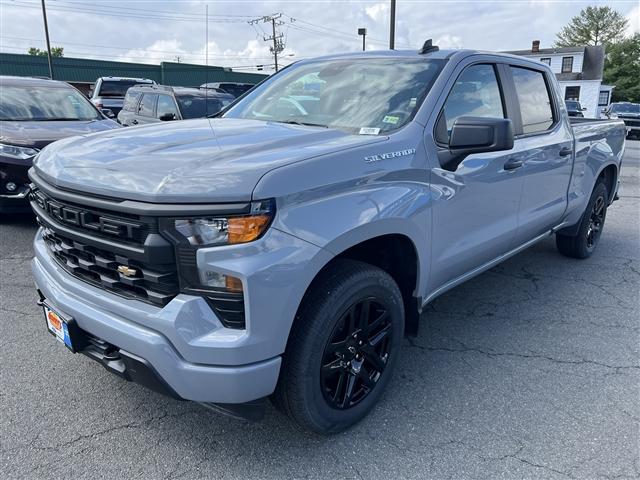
[[475, 209]]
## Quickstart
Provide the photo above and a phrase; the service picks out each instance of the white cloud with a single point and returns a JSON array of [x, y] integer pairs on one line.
[[378, 12], [449, 41], [634, 21]]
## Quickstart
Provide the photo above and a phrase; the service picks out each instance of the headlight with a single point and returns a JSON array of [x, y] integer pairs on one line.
[[14, 151], [613, 115], [227, 230]]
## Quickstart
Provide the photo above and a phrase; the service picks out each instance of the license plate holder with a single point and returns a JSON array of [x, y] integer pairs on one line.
[[63, 327]]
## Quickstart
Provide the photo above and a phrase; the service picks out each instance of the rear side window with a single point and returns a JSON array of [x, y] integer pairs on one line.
[[116, 88], [131, 101], [534, 98], [475, 94], [147, 104], [166, 105]]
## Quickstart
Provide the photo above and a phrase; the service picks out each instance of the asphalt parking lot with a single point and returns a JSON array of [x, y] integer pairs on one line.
[[531, 370]]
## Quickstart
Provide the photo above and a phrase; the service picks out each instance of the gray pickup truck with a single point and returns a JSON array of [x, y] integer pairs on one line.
[[283, 249]]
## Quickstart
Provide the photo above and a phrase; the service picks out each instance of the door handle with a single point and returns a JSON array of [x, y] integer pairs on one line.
[[513, 163], [565, 151]]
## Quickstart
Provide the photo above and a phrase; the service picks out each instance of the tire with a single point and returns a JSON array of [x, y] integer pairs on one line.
[[323, 357], [584, 243]]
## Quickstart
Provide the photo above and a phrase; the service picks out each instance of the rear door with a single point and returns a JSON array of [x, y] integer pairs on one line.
[[129, 107], [544, 144], [146, 110], [475, 206]]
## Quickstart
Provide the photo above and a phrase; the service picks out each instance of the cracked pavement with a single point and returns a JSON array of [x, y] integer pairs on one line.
[[531, 370]]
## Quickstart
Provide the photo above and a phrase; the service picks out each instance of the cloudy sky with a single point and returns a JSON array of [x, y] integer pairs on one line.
[[151, 31]]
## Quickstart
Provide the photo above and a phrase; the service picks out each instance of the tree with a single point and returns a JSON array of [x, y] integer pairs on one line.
[[622, 69], [594, 26], [55, 52]]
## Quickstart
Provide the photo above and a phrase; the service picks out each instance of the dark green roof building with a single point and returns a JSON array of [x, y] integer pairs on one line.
[[83, 72]]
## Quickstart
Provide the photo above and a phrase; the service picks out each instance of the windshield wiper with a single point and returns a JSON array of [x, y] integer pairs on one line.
[[306, 124]]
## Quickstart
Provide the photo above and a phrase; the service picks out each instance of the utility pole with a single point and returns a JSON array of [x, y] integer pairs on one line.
[[392, 26], [276, 38], [46, 34]]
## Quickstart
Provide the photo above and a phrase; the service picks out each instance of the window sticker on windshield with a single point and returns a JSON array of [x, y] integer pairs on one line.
[[413, 102], [369, 131], [391, 119]]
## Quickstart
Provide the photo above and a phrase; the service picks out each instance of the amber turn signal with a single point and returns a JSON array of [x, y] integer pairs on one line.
[[246, 229]]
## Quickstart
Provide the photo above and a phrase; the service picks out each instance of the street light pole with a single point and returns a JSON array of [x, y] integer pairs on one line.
[[46, 34], [363, 32], [392, 26]]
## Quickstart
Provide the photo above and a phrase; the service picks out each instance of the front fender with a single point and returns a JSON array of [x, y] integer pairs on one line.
[[341, 221]]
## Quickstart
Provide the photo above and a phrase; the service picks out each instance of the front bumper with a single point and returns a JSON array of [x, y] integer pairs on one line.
[[184, 343], [190, 381]]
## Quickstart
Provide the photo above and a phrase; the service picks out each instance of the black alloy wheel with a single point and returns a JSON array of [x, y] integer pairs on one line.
[[356, 354], [596, 222]]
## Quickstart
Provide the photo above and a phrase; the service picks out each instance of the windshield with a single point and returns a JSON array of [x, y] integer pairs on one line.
[[571, 105], [39, 103], [198, 106], [625, 107], [118, 88], [366, 96]]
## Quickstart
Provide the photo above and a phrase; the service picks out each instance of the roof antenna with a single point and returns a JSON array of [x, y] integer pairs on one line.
[[428, 47]]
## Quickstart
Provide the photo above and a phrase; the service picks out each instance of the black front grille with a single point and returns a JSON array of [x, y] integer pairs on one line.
[[119, 252], [631, 122], [113, 272], [131, 229]]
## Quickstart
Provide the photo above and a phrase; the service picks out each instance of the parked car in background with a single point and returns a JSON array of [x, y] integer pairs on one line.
[[629, 113], [281, 252], [156, 103], [235, 89], [109, 92], [574, 109], [33, 113]]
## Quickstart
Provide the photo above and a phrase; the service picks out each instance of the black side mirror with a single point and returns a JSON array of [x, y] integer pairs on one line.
[[167, 116], [107, 112], [477, 135]]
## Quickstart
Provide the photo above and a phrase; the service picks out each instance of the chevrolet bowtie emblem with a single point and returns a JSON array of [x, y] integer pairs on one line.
[[127, 271]]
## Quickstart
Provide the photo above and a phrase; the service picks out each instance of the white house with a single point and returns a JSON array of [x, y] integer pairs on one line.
[[579, 73]]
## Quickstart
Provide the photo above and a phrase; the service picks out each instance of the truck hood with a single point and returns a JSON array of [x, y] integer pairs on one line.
[[191, 161]]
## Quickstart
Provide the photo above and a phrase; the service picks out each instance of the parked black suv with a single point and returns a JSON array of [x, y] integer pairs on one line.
[[574, 109], [629, 113], [233, 88], [33, 113], [155, 103]]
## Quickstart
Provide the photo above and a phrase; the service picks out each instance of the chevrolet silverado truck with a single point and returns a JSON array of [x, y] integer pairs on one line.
[[284, 248]]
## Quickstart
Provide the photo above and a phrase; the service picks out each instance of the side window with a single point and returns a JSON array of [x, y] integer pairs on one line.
[[534, 99], [475, 94], [147, 105], [131, 101], [166, 105]]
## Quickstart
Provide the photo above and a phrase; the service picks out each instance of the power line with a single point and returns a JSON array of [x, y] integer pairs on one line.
[[147, 16]]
